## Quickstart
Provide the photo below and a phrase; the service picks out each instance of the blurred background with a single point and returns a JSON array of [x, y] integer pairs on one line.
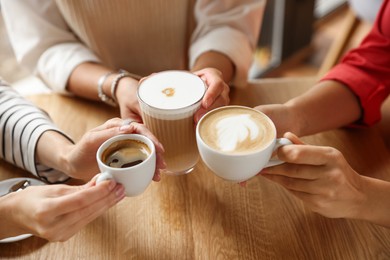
[[9, 69], [307, 37], [297, 38]]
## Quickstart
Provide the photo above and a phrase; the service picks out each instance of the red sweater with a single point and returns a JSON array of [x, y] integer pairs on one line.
[[366, 69]]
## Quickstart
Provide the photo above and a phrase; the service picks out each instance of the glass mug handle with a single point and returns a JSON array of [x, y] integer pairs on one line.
[[103, 177], [279, 142]]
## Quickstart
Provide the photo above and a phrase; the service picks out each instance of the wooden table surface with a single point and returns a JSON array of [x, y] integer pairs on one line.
[[200, 216]]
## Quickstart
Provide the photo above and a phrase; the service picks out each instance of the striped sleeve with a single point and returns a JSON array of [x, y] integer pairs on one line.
[[21, 126]]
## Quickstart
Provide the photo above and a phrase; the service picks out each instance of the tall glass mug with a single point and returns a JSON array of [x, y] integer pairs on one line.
[[168, 102]]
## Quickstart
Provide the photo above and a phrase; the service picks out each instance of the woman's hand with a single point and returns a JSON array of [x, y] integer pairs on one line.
[[320, 177], [217, 93], [126, 95], [56, 212], [81, 158]]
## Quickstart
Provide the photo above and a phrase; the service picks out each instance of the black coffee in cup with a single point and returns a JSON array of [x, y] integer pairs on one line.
[[125, 153]]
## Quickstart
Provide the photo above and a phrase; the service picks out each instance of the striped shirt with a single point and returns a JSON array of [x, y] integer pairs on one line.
[[21, 125]]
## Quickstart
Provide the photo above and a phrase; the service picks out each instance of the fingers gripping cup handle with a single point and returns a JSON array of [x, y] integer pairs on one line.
[[279, 142], [104, 176]]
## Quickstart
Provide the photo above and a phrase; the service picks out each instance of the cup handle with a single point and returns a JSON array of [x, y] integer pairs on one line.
[[279, 142], [103, 177]]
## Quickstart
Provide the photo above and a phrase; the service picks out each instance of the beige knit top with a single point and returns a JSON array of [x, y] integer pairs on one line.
[[53, 37], [132, 34]]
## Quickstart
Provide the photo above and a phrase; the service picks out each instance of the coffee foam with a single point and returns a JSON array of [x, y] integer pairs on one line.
[[236, 130], [167, 91]]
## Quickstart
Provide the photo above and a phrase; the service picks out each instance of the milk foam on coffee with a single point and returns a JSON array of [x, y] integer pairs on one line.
[[171, 90], [232, 131], [168, 101], [236, 130]]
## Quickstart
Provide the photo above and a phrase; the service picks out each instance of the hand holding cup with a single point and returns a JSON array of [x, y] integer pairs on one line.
[[237, 142], [129, 159]]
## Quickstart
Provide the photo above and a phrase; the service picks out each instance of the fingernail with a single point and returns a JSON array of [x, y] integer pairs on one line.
[[206, 103], [119, 198], [161, 147], [127, 121], [164, 165], [157, 177], [196, 119], [120, 192], [124, 128], [111, 184]]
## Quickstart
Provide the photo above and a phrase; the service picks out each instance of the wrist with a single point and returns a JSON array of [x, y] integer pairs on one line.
[[108, 84], [360, 202], [64, 161], [362, 210], [104, 88], [127, 88], [216, 60], [373, 205], [296, 122], [53, 151]]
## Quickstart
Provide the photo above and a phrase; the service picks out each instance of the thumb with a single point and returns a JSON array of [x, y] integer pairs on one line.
[[293, 138]]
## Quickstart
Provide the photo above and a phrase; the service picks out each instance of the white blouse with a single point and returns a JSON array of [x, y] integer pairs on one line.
[[52, 37], [21, 125]]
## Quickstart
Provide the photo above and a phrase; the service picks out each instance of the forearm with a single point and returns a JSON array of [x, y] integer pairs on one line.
[[84, 79], [219, 61], [326, 106], [376, 206]]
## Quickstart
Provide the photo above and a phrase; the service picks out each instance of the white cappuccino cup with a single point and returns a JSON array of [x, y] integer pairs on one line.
[[237, 142]]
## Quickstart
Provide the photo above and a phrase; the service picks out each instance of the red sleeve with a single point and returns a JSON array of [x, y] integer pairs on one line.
[[366, 69]]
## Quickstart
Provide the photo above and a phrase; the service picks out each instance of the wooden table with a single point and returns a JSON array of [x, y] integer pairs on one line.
[[200, 216]]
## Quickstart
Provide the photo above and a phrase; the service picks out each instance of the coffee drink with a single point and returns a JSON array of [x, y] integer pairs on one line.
[[129, 159], [236, 130], [178, 139], [237, 142], [168, 101], [125, 153]]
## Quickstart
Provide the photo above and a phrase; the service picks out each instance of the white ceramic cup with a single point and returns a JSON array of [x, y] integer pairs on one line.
[[136, 178], [239, 167]]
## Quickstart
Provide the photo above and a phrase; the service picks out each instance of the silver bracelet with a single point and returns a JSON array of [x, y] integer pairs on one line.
[[103, 97], [114, 84]]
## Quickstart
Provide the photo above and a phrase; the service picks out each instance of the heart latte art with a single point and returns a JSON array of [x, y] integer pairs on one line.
[[236, 130]]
